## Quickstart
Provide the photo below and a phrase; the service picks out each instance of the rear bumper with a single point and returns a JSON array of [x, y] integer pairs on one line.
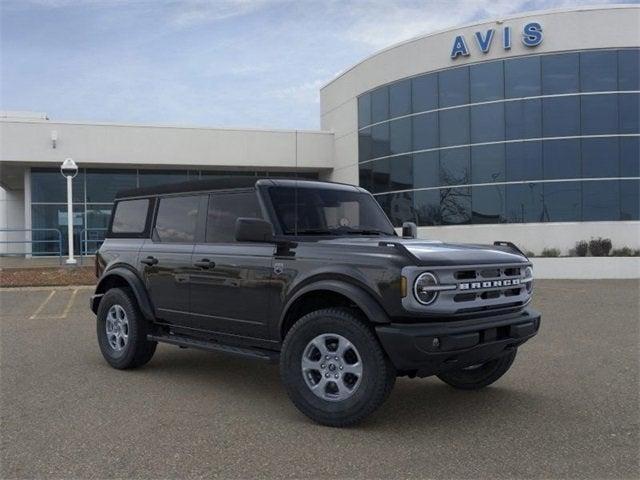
[[431, 348]]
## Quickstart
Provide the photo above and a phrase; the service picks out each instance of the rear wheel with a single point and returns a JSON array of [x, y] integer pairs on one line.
[[334, 368], [481, 375], [122, 330]]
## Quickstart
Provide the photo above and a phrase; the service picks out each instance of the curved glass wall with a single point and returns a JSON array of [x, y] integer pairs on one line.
[[544, 138]]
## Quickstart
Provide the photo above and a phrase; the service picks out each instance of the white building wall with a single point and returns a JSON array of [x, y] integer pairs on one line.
[[11, 217]]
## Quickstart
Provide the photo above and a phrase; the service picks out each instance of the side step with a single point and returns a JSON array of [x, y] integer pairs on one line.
[[182, 341]]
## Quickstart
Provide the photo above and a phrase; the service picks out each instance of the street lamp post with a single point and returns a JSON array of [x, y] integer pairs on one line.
[[69, 169]]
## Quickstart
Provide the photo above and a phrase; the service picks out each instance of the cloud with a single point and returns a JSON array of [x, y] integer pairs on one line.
[[195, 12]]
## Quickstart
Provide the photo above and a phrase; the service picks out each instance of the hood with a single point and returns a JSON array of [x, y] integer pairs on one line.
[[436, 253]]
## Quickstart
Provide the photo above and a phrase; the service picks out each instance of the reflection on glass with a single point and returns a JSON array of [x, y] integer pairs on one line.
[[400, 135], [487, 123], [454, 166], [364, 110], [401, 177], [561, 159], [427, 207], [400, 98], [488, 204], [629, 112], [401, 208], [381, 170], [561, 116], [487, 81], [424, 92], [454, 87], [560, 73], [599, 114], [380, 140], [524, 203], [365, 145], [454, 127], [630, 157], [601, 200], [600, 157], [523, 119], [522, 77], [55, 217], [599, 71], [630, 200], [523, 161], [562, 201], [487, 163], [103, 184], [425, 131], [455, 205], [151, 178], [629, 69], [380, 104], [48, 185], [426, 169]]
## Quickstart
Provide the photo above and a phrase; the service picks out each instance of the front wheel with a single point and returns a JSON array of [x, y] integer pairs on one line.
[[479, 376], [334, 369]]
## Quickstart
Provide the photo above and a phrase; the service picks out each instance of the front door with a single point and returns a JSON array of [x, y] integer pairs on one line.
[[232, 282], [165, 260]]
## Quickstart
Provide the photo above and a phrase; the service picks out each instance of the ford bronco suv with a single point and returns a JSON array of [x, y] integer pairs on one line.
[[313, 275]]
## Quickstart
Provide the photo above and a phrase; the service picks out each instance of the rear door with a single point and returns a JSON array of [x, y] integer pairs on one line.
[[232, 285], [165, 260]]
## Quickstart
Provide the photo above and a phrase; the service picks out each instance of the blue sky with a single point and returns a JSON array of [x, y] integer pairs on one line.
[[244, 63]]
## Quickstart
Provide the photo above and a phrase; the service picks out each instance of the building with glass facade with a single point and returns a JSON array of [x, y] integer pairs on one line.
[[523, 129]]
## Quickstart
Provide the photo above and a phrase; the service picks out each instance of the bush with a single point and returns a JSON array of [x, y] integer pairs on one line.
[[582, 248], [600, 247], [550, 252], [530, 254], [624, 252]]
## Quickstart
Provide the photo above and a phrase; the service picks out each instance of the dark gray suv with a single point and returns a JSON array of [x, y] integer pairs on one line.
[[313, 275]]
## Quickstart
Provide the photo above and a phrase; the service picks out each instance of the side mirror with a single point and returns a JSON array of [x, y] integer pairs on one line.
[[409, 230], [253, 230]]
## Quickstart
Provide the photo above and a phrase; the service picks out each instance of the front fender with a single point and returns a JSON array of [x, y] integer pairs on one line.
[[116, 276]]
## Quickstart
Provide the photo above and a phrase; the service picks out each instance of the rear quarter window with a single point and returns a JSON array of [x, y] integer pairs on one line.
[[130, 216]]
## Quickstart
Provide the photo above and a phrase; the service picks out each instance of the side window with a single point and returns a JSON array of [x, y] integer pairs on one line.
[[130, 216], [225, 209], [177, 218]]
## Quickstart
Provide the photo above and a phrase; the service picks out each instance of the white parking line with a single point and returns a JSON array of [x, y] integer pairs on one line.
[[42, 305], [69, 305]]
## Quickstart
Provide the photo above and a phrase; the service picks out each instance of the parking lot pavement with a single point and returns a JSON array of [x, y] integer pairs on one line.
[[568, 408]]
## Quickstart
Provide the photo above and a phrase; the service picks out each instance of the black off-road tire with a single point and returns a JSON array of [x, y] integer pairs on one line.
[[138, 350], [378, 375], [475, 378]]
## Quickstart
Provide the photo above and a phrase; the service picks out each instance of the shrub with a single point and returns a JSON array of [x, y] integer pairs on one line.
[[530, 254], [550, 252], [600, 247], [624, 252], [582, 247]]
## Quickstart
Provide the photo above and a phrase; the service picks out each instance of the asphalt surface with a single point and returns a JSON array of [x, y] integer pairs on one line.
[[569, 407]]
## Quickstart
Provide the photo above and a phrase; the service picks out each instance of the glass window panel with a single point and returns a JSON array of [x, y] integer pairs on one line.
[[365, 176], [600, 157], [97, 218], [487, 81], [487, 163], [600, 201], [424, 92], [488, 204], [380, 140], [454, 87], [176, 219], [561, 159], [381, 171], [380, 104], [427, 207], [629, 69], [455, 205], [425, 131], [524, 203], [630, 157], [560, 73], [454, 166], [629, 112], [630, 200], [400, 135], [400, 98], [130, 216], [487, 123], [224, 209], [523, 161], [561, 116], [599, 114], [365, 145], [401, 208], [401, 172], [210, 174], [523, 119], [364, 110], [522, 77], [426, 169], [151, 178], [102, 185], [599, 71], [48, 185], [54, 217], [454, 127], [562, 201]]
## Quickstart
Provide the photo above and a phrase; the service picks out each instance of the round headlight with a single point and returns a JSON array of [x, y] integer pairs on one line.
[[422, 288], [528, 276]]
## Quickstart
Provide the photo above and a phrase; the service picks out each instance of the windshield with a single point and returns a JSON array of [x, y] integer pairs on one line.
[[324, 211]]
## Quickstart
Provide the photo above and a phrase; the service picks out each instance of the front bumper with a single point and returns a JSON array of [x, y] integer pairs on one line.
[[431, 348]]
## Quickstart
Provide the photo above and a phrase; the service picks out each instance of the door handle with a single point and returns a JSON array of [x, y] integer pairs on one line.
[[149, 260], [205, 263]]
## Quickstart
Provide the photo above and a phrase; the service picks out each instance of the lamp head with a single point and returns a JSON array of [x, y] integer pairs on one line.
[[69, 168]]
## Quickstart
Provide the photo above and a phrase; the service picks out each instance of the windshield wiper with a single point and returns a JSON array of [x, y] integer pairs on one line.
[[314, 231], [365, 232]]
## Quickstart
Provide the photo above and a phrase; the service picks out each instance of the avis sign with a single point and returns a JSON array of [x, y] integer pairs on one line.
[[531, 37]]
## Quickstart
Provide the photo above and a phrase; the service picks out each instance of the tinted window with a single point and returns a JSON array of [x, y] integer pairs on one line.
[[225, 209], [380, 140], [48, 185], [455, 205], [102, 185], [381, 175], [523, 161], [561, 116], [176, 219], [600, 157], [454, 166], [424, 93], [522, 77], [365, 177], [487, 123], [630, 157], [523, 119], [401, 172], [599, 114], [364, 110], [599, 71], [400, 135], [427, 207], [487, 164], [487, 82], [600, 201], [562, 201], [365, 145], [561, 159], [130, 216], [629, 112], [400, 98], [524, 203], [630, 200], [454, 127], [629, 69], [160, 177], [488, 204], [425, 131], [426, 168], [560, 73], [454, 87], [379, 105]]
